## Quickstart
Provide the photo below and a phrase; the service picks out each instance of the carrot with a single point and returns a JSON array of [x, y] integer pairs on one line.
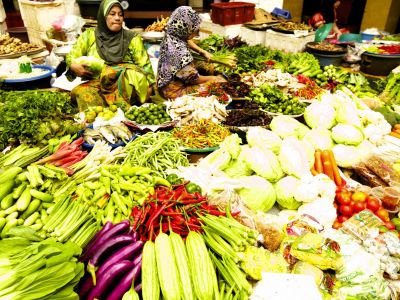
[[325, 156], [318, 161], [314, 172], [396, 126], [328, 169], [335, 169], [396, 130], [395, 134]]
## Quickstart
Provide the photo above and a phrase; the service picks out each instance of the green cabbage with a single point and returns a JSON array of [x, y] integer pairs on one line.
[[218, 160], [347, 113], [295, 157], [263, 138], [319, 138], [285, 189], [346, 156], [257, 193], [320, 115], [237, 168], [263, 162], [286, 126], [232, 144], [347, 134], [94, 65]]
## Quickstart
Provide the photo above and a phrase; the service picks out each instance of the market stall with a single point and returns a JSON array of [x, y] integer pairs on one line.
[[283, 178]]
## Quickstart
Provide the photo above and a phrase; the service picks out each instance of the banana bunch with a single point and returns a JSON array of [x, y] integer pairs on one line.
[[158, 25]]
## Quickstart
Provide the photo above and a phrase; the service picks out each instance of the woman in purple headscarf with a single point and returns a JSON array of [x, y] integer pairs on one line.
[[177, 74]]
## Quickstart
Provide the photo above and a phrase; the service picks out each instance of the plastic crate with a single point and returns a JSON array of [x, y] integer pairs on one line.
[[40, 15], [278, 12], [230, 13]]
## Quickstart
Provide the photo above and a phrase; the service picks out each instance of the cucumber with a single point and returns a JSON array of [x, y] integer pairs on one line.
[[41, 196], [36, 227], [3, 222], [10, 210], [18, 190], [23, 201], [6, 188], [10, 224], [11, 216], [10, 174], [32, 219], [33, 206], [7, 201]]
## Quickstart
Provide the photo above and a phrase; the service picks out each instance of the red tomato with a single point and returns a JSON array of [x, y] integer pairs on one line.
[[373, 203], [383, 214], [389, 225], [346, 210], [336, 225], [359, 206], [342, 219], [343, 198]]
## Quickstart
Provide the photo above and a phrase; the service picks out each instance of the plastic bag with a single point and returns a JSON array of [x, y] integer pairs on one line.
[[230, 197], [383, 169]]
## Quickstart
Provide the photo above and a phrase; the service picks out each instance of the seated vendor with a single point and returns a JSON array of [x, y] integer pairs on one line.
[[177, 74], [127, 76]]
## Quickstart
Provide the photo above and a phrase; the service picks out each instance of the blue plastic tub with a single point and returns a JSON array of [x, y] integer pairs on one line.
[[31, 83], [279, 12], [368, 37]]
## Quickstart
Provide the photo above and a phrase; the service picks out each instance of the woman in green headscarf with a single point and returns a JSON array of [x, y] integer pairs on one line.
[[127, 76]]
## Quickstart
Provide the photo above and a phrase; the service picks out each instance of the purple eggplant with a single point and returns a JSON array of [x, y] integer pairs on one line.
[[135, 235], [138, 287], [125, 283], [138, 259], [117, 229], [85, 285], [113, 243], [89, 248], [125, 253], [109, 278]]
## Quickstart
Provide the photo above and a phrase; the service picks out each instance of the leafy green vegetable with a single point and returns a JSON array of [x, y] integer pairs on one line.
[[93, 64], [34, 116], [257, 193], [320, 115], [347, 134], [285, 190]]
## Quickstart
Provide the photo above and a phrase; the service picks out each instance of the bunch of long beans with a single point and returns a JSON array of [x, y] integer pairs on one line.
[[158, 151]]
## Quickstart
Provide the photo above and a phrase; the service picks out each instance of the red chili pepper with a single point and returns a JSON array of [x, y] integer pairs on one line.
[[155, 215]]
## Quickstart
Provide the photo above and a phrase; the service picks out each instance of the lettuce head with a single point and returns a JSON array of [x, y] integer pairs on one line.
[[94, 65], [257, 193]]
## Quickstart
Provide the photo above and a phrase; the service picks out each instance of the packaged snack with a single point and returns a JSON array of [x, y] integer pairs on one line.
[[383, 169]]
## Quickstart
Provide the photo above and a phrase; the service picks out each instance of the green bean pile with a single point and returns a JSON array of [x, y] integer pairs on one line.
[[158, 151]]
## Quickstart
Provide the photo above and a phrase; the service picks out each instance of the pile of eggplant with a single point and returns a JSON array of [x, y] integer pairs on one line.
[[114, 259]]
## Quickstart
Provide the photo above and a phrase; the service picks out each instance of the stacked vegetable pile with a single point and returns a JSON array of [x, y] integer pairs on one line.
[[32, 117], [33, 268], [114, 261]]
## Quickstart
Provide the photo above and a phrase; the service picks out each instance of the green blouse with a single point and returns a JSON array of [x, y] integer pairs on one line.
[[136, 54]]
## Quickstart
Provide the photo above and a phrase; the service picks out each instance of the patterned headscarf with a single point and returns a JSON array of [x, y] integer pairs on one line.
[[174, 50], [111, 46]]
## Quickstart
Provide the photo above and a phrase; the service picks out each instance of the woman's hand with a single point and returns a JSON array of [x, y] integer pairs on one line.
[[80, 70], [207, 55]]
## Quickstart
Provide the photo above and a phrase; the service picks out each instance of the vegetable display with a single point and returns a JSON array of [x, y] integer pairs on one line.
[[31, 117], [153, 114], [114, 261], [204, 134], [272, 99], [35, 268]]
